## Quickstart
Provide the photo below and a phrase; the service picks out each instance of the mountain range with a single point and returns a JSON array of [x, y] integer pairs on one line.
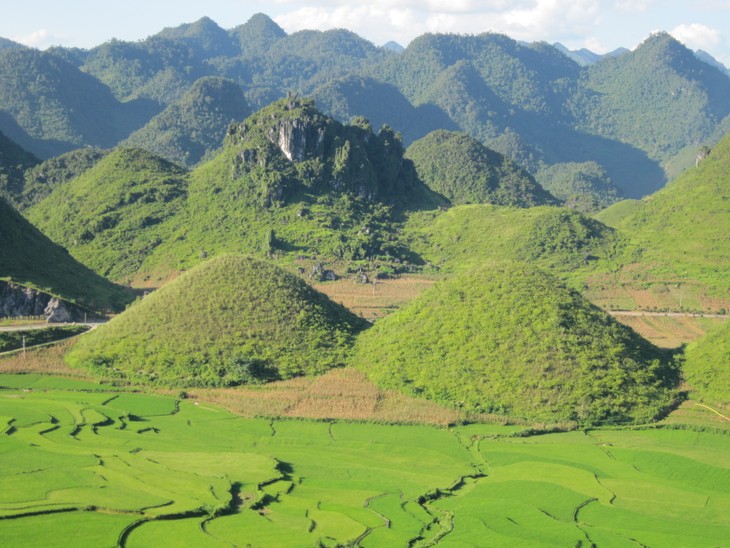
[[591, 130]]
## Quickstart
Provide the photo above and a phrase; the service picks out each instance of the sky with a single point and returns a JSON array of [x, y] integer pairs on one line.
[[599, 25]]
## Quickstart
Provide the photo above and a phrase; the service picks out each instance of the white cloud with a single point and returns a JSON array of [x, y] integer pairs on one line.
[[697, 36], [403, 20], [41, 39]]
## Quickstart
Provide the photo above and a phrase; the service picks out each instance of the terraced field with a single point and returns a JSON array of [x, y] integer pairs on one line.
[[84, 465]]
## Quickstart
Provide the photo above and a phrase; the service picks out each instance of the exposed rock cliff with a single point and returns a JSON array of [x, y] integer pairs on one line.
[[18, 300], [290, 147]]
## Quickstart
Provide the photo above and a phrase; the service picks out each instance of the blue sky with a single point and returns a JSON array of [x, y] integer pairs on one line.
[[599, 25]]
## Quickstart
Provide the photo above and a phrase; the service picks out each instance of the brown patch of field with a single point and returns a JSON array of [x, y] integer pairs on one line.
[[378, 298], [669, 331], [47, 360], [344, 394], [634, 288]]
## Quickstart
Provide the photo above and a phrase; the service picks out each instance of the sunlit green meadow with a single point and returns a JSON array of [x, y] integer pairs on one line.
[[84, 465]]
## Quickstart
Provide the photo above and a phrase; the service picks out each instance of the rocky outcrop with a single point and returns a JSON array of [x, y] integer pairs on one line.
[[298, 139], [18, 300]]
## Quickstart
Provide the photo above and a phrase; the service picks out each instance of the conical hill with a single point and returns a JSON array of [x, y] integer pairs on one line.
[[510, 339], [230, 320]]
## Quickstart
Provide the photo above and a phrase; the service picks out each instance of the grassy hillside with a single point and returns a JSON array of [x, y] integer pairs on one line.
[[467, 172], [288, 180], [565, 242], [193, 127], [109, 217], [29, 258], [682, 230], [39, 181], [707, 366], [229, 321], [512, 339]]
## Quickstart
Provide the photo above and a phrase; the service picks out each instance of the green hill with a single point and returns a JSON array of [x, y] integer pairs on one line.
[[511, 339], [193, 127], [467, 172], [109, 217], [288, 180], [682, 229], [707, 366], [229, 321], [29, 258], [569, 244], [292, 180], [14, 160], [39, 181]]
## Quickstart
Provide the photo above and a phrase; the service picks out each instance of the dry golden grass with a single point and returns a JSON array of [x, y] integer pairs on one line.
[[344, 394], [375, 300], [669, 331], [47, 360]]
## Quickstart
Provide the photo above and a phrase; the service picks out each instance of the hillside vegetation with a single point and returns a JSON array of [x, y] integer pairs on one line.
[[707, 366], [589, 134], [466, 172], [109, 217], [682, 230], [568, 243], [231, 320], [29, 258], [14, 161], [193, 127], [288, 180], [512, 339]]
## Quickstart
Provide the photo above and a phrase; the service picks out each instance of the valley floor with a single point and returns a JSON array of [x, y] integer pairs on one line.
[[82, 464]]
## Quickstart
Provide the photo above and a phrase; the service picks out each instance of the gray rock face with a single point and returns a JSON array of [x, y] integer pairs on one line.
[[297, 139], [18, 300]]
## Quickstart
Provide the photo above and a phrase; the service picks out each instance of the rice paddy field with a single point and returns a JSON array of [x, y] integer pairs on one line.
[[83, 464]]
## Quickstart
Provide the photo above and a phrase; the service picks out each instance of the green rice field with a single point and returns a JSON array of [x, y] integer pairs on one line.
[[82, 464]]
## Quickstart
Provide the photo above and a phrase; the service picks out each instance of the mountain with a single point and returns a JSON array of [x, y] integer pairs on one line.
[[56, 103], [586, 57], [29, 258], [584, 186], [524, 101], [676, 103], [204, 36], [230, 320], [465, 171], [14, 160], [193, 127], [682, 229], [509, 338], [383, 104], [589, 134], [10, 44], [257, 35], [108, 216], [706, 366], [288, 179], [291, 180], [710, 60]]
